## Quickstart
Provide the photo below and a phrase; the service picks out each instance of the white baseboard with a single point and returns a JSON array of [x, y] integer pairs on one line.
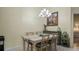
[[16, 48]]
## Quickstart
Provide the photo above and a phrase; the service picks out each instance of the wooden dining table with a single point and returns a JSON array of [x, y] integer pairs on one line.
[[34, 39]]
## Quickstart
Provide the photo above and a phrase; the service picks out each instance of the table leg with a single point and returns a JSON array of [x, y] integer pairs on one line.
[[34, 47], [23, 45]]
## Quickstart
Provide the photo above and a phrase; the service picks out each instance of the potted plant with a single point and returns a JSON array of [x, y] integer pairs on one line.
[[65, 41]]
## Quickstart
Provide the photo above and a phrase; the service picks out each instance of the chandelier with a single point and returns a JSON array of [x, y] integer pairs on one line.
[[45, 13]]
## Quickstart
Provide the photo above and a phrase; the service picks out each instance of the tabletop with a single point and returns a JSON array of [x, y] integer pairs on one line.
[[36, 38]]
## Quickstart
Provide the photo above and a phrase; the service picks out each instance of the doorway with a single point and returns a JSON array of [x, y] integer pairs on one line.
[[76, 30]]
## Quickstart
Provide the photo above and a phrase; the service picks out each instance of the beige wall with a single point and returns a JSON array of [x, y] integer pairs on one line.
[[11, 23], [0, 24], [75, 10], [16, 21]]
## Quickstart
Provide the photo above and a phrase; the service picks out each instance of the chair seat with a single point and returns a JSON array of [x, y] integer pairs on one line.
[[29, 42], [50, 41], [39, 45]]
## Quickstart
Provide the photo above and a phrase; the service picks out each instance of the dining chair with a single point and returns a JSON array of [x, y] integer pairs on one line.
[[36, 33], [29, 45], [54, 42], [31, 33], [43, 45], [27, 33], [50, 42]]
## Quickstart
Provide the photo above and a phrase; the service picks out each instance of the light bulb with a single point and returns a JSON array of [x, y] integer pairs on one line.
[[49, 14], [43, 16], [44, 9]]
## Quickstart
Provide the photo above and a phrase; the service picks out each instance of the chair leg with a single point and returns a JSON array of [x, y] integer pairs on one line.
[[28, 47], [46, 48], [23, 45], [50, 47], [31, 47]]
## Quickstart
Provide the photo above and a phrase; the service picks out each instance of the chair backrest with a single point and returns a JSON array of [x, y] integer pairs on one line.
[[24, 39], [29, 33], [53, 41], [45, 38]]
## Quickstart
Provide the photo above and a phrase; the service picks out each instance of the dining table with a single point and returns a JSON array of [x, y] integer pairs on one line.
[[34, 39]]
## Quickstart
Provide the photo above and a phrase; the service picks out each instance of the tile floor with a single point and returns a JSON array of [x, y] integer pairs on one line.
[[61, 48]]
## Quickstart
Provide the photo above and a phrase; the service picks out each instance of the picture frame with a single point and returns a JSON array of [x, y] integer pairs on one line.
[[53, 19]]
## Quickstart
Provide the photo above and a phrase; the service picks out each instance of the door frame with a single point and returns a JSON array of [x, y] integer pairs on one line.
[[73, 27]]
